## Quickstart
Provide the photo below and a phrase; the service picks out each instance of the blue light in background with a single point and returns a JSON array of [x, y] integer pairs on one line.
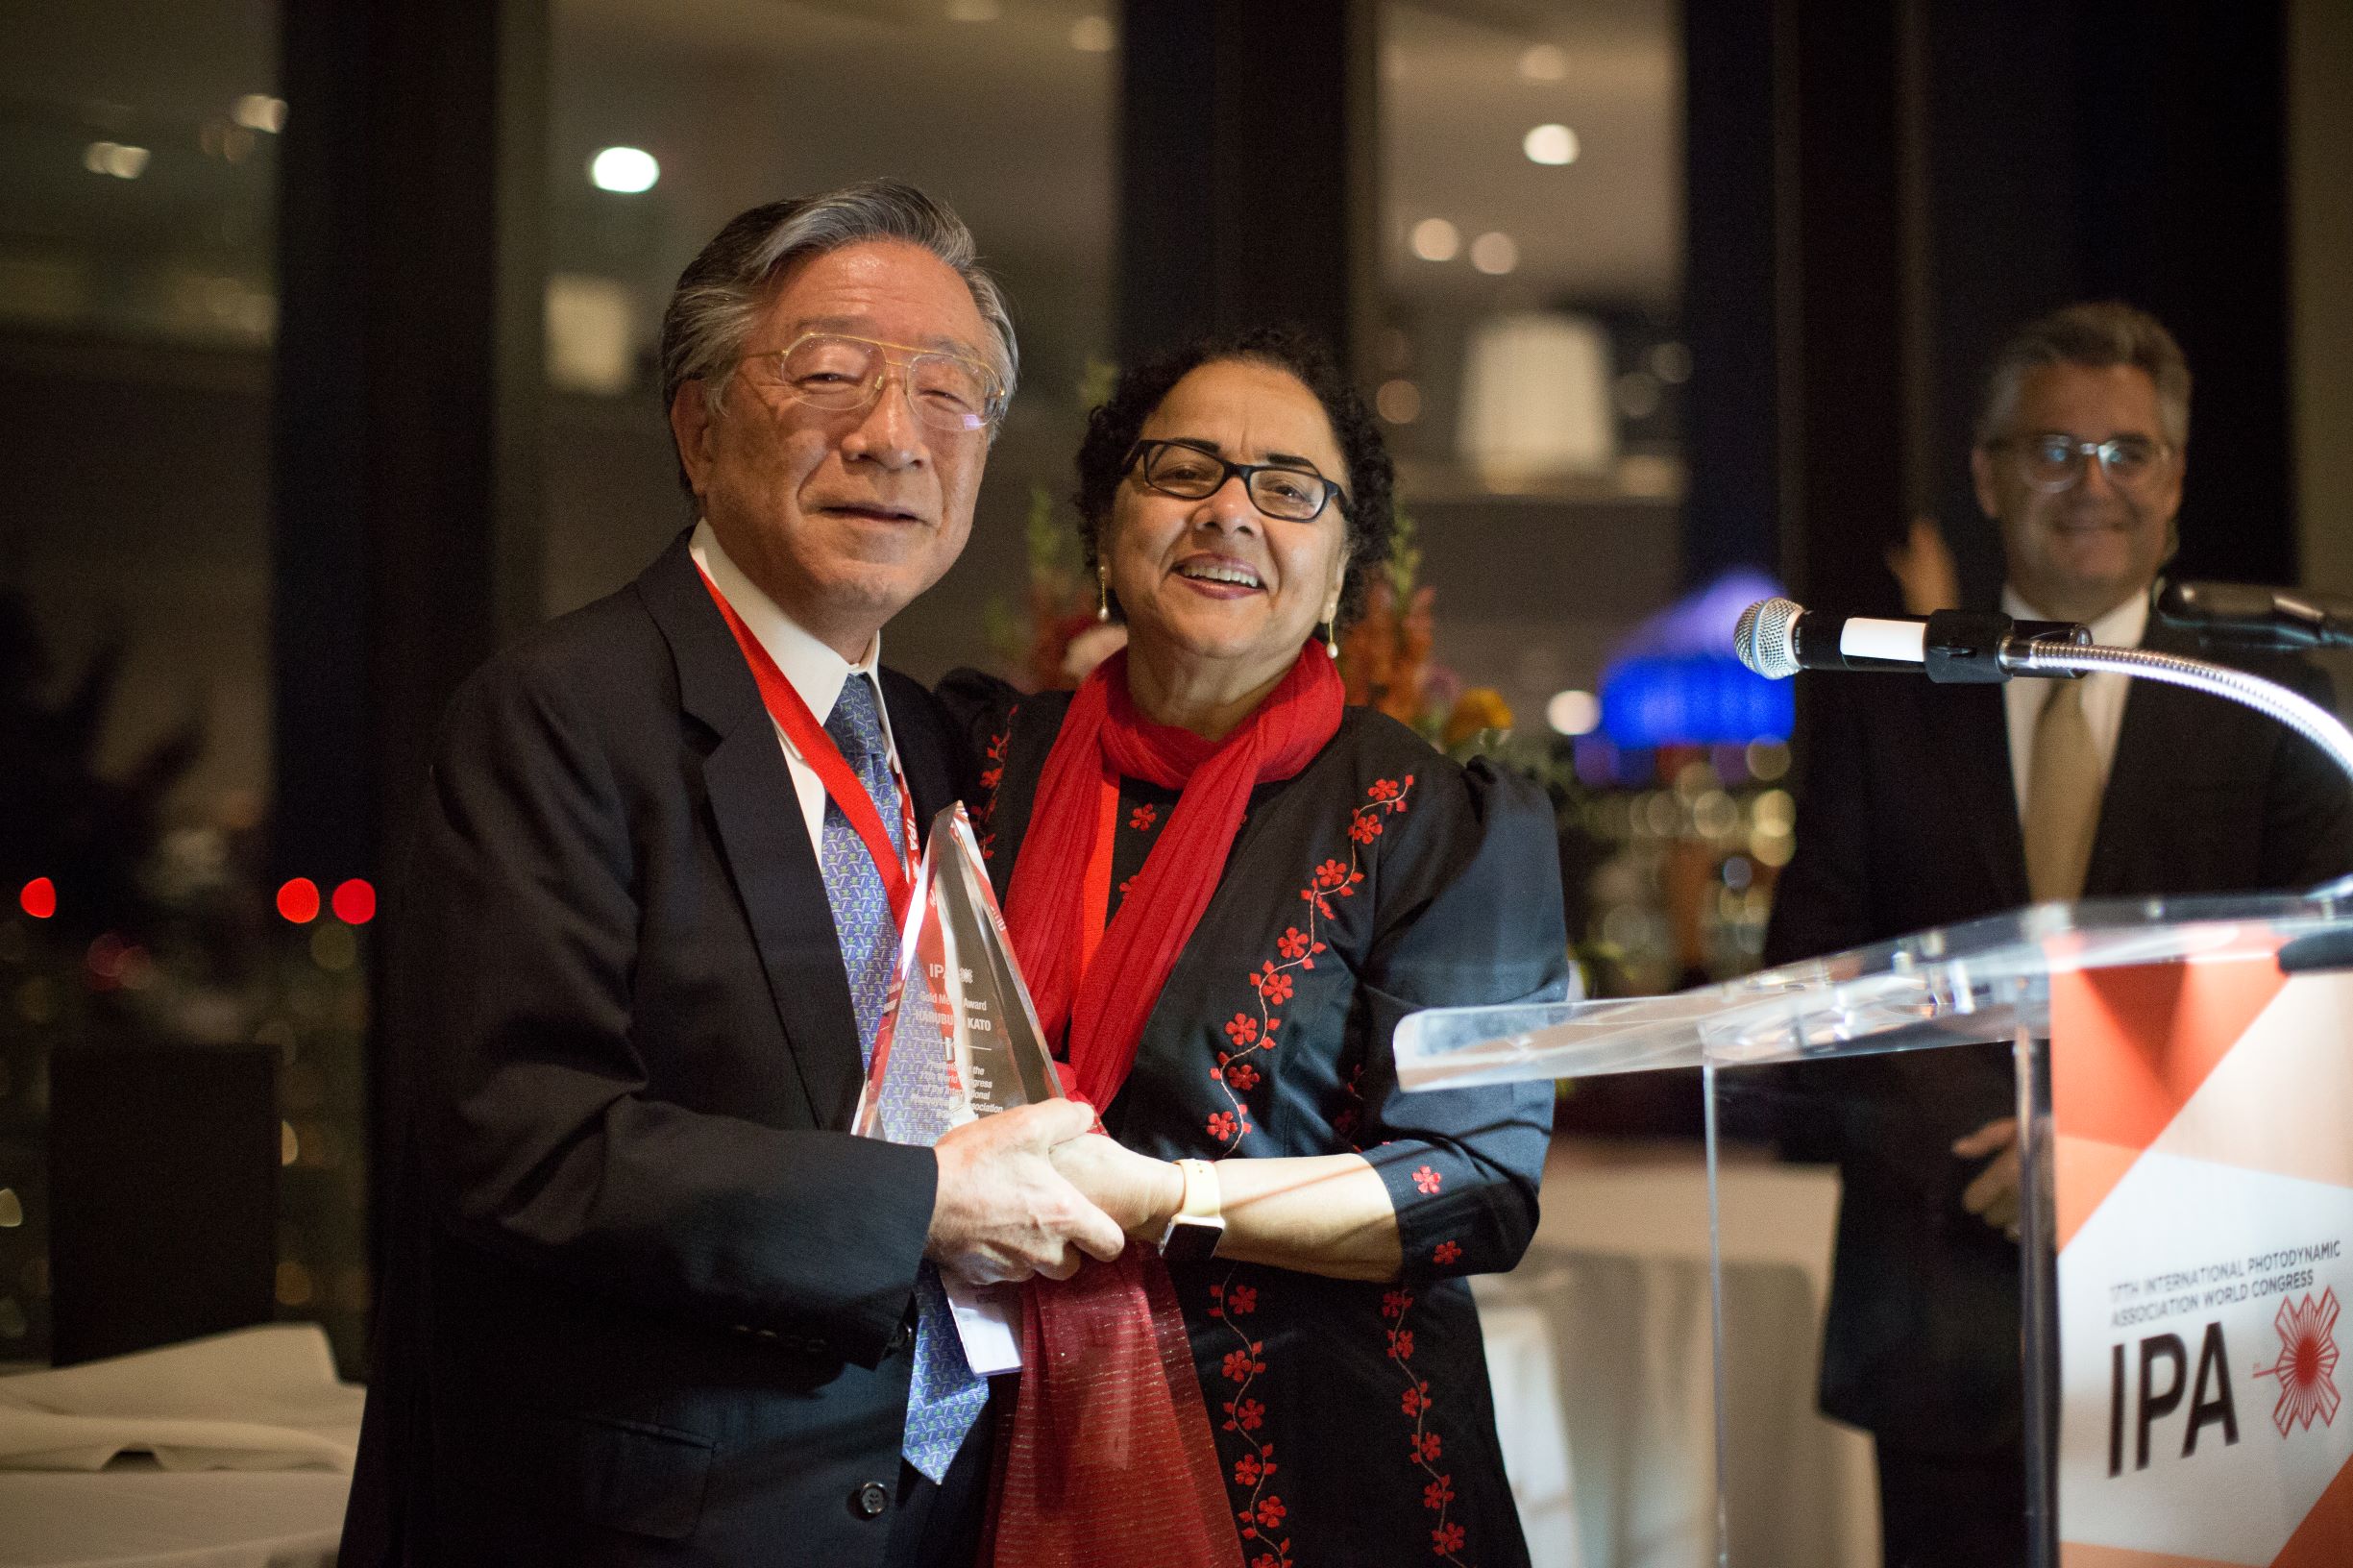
[[1692, 699], [1674, 680]]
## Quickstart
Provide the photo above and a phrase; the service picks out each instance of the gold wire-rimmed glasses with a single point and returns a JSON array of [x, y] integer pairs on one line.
[[836, 373]]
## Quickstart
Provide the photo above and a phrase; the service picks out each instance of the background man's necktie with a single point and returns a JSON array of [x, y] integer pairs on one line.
[[2063, 781], [946, 1397]]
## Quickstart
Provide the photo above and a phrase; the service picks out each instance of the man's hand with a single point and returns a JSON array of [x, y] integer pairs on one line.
[[1993, 1196], [1003, 1212], [1137, 1192], [1924, 570]]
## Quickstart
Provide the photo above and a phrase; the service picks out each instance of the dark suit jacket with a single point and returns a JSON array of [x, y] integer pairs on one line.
[[647, 1299], [1908, 819]]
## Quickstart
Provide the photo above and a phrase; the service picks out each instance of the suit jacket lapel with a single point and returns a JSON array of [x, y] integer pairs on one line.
[[763, 841], [2151, 753], [1975, 732]]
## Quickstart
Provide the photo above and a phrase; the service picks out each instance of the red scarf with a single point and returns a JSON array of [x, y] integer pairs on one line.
[[1110, 1460]]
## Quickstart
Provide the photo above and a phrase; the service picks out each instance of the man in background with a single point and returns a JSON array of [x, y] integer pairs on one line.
[[1925, 806]]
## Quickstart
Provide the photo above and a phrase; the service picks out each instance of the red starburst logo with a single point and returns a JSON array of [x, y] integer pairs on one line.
[[2307, 1364]]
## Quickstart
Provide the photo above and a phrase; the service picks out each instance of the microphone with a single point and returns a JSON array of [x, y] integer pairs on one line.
[[1779, 637], [2243, 615]]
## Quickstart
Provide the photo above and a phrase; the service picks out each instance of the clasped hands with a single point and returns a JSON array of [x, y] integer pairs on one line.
[[1035, 1190]]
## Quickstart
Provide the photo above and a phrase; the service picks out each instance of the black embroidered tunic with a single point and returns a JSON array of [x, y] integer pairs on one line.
[[1354, 1422]]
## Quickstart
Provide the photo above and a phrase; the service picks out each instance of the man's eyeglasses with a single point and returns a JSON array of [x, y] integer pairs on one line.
[[2052, 460], [839, 374], [1190, 472]]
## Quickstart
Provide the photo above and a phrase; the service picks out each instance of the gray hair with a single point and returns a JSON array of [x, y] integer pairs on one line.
[[2096, 336], [721, 294]]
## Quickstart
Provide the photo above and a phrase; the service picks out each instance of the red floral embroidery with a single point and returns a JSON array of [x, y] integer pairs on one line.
[[1445, 1252], [1222, 1127], [1273, 983], [1144, 816], [1428, 1179], [1423, 1443], [991, 778], [1259, 1511]]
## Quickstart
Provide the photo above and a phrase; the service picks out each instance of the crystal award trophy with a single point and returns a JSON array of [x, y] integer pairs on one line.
[[959, 1040]]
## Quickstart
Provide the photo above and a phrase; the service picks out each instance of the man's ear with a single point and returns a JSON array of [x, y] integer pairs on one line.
[[691, 426], [1982, 480]]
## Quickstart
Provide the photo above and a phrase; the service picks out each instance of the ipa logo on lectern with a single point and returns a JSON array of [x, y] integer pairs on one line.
[[2307, 1364]]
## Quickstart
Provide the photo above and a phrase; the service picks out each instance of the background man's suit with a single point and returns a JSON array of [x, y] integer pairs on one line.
[[1908, 818], [652, 1313]]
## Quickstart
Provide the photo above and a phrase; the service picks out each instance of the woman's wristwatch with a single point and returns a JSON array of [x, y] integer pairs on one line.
[[1199, 1223]]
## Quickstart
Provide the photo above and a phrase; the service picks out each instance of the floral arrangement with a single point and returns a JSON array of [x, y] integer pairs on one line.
[[1385, 661]]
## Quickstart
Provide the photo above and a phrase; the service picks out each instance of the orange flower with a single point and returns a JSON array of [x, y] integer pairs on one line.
[[1482, 707]]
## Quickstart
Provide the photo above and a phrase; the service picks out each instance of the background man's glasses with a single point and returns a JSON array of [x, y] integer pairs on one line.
[[2052, 462], [1181, 469], [841, 375]]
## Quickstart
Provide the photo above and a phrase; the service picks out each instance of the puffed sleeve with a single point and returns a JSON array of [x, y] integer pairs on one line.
[[979, 704], [1470, 914]]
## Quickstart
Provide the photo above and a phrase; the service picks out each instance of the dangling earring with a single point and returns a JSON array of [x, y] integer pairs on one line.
[[1332, 628], [1102, 595]]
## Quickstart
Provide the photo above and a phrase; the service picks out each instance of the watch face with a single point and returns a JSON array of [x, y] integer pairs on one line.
[[1191, 1240]]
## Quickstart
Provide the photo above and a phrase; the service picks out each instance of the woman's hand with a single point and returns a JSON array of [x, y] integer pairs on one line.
[[1137, 1192]]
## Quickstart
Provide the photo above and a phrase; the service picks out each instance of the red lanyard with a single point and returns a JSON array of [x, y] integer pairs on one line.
[[817, 748]]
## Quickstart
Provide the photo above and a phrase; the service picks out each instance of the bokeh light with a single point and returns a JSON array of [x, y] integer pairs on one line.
[[299, 900]]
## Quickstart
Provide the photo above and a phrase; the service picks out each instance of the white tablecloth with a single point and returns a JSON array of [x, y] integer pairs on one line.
[[232, 1452], [1600, 1351]]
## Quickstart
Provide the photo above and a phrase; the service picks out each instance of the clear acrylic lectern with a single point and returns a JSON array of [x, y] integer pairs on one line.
[[2181, 1075]]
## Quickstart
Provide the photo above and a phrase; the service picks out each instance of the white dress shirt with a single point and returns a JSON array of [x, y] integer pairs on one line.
[[815, 671], [2103, 695]]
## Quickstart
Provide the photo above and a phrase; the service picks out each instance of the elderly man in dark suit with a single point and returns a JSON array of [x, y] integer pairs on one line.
[[650, 1300], [1925, 805]]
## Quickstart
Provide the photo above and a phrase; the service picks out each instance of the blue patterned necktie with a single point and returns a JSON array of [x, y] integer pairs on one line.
[[945, 1397]]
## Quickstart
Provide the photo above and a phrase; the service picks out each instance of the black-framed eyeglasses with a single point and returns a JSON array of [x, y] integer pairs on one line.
[[1192, 472], [840, 373], [2054, 461]]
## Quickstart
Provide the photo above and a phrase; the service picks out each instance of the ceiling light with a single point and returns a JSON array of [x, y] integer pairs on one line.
[[1573, 713], [1544, 63], [259, 112], [1093, 36], [1494, 254], [1399, 402], [1550, 144], [1435, 239], [114, 159], [628, 170]]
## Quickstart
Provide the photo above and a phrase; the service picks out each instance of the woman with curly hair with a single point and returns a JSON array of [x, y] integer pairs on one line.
[[1225, 890]]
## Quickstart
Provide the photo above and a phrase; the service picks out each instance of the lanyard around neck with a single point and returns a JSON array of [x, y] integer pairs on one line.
[[818, 749]]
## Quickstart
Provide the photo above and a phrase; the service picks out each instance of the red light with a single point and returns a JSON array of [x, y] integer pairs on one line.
[[39, 899], [356, 902], [299, 900]]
